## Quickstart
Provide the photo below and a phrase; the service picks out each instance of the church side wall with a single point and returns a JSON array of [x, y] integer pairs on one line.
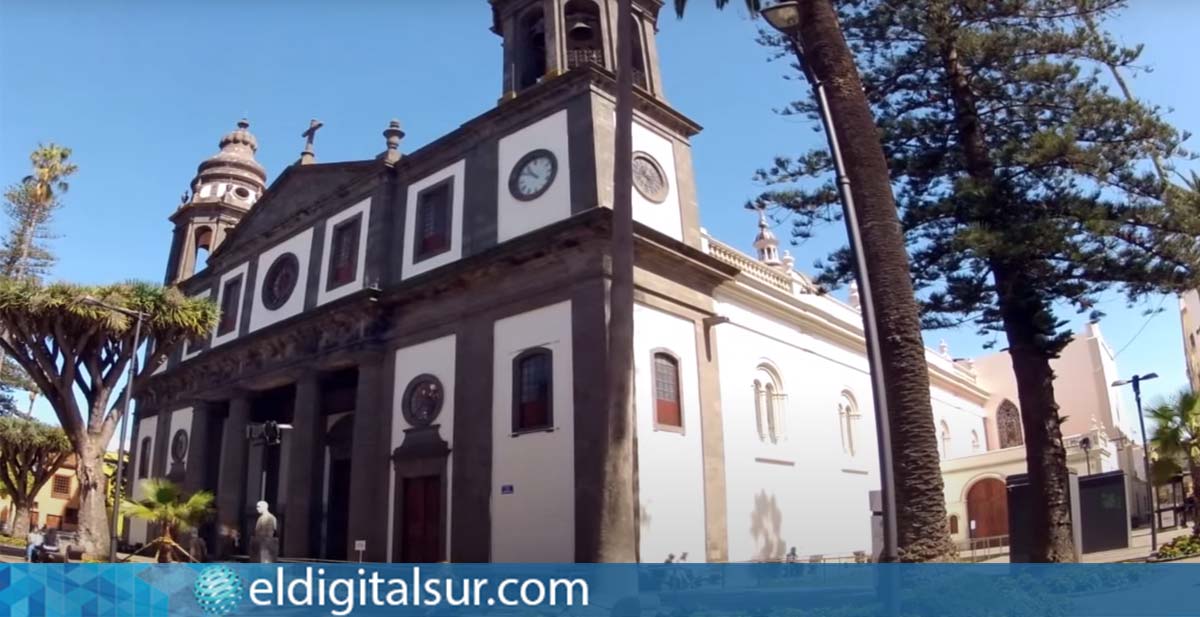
[[803, 491], [533, 489], [669, 462], [514, 216]]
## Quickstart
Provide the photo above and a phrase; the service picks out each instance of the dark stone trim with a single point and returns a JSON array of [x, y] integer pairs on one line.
[[481, 198], [237, 282], [712, 445], [471, 484], [248, 291], [417, 255], [372, 431], [581, 154], [316, 255], [391, 235]]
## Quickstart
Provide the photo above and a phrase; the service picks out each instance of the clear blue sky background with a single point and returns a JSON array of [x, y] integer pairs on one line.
[[143, 90]]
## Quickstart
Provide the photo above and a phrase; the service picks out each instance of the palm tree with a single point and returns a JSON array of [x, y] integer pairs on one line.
[[165, 506], [922, 533], [1177, 435]]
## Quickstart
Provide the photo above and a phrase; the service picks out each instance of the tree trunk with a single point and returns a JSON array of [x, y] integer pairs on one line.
[[1194, 471], [1045, 455], [1022, 313], [920, 502], [20, 524], [93, 510], [617, 534]]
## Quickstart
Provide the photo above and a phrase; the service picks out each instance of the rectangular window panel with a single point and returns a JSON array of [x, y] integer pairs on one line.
[[53, 522], [343, 249], [432, 233], [666, 391], [71, 516], [231, 295], [532, 409], [62, 486]]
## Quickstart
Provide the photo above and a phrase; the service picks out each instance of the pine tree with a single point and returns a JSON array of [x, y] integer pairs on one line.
[[30, 206], [1024, 185]]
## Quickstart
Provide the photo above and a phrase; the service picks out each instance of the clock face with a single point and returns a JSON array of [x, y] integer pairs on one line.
[[533, 175], [423, 400], [649, 178]]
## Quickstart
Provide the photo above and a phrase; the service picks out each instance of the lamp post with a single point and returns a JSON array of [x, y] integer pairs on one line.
[[1136, 381], [1085, 444], [138, 317], [785, 17]]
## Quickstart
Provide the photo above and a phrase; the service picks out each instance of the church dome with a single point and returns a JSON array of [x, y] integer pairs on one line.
[[235, 162]]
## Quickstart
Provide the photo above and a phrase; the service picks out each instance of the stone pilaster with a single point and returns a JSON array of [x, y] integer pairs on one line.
[[369, 460], [304, 469], [200, 447], [231, 483]]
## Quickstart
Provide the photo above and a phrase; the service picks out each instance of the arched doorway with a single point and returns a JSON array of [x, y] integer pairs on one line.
[[338, 442], [987, 508]]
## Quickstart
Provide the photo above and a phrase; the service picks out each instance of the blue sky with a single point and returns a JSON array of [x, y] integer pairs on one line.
[[143, 90]]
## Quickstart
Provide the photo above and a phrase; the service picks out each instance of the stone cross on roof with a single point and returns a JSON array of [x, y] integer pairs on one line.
[[309, 157]]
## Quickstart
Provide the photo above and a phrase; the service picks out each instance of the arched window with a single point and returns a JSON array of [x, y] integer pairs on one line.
[[848, 417], [203, 243], [533, 389], [1008, 425], [144, 459], [668, 411], [531, 65], [770, 405], [953, 523], [584, 39], [945, 432], [974, 441], [639, 57]]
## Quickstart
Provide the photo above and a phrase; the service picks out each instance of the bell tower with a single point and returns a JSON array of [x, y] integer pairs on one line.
[[225, 187], [545, 38]]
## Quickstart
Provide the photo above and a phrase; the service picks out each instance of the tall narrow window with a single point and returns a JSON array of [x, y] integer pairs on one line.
[[974, 441], [144, 458], [667, 406], [533, 389], [945, 439], [1008, 425], [343, 253], [770, 405], [231, 295], [848, 419], [432, 233]]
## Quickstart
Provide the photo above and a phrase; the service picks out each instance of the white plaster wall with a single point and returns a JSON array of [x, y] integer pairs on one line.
[[536, 522], [670, 464], [242, 269], [515, 217], [804, 492], [963, 418], [146, 428], [436, 358], [664, 217], [364, 208], [181, 420], [458, 171], [300, 245]]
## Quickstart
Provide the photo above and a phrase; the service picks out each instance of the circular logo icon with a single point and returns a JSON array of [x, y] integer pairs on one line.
[[218, 590]]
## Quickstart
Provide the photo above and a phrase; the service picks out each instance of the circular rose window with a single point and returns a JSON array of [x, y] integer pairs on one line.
[[649, 178], [280, 281], [422, 400]]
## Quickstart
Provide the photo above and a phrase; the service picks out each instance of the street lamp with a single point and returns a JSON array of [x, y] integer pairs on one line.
[[1085, 444], [785, 17], [138, 317], [1136, 381]]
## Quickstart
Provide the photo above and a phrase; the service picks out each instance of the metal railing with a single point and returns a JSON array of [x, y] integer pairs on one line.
[[979, 549]]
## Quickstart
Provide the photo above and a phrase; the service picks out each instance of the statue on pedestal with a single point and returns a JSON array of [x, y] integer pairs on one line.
[[265, 548]]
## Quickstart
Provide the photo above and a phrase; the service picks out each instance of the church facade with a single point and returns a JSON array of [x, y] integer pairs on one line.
[[429, 329]]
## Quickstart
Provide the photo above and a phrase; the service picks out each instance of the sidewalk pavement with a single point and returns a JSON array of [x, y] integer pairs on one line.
[[1138, 550]]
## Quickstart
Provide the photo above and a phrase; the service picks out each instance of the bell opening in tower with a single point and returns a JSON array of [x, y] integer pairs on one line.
[[532, 65], [584, 42]]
